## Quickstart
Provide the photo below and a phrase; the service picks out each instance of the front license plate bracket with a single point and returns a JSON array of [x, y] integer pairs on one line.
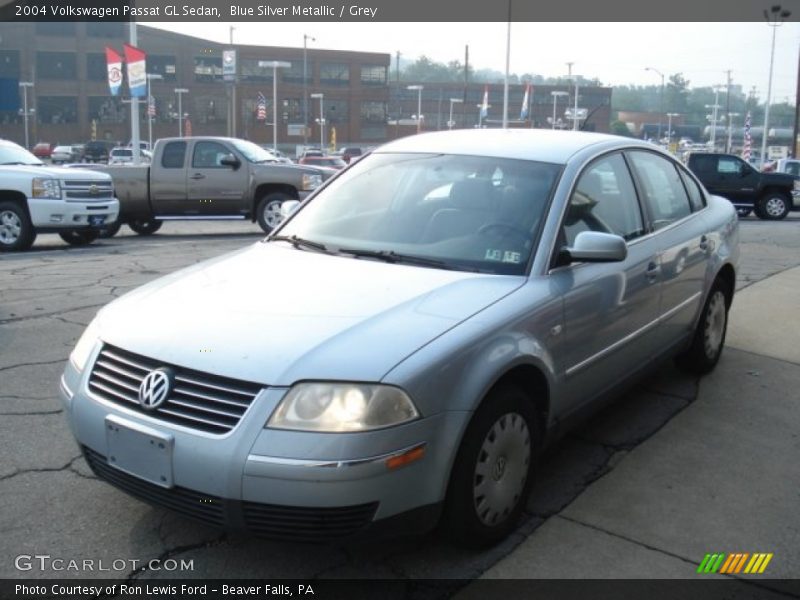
[[139, 450]]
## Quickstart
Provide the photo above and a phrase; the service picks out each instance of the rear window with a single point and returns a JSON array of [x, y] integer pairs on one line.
[[173, 156]]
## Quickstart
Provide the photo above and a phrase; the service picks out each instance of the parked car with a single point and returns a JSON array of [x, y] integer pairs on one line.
[[78, 151], [350, 152], [97, 151], [391, 354], [769, 195], [332, 162], [71, 202], [276, 155], [124, 156], [62, 154], [43, 150]]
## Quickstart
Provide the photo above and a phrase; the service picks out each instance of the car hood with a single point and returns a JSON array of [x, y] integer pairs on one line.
[[55, 172], [275, 315]]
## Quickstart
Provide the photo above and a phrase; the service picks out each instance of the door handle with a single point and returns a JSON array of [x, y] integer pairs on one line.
[[653, 269], [704, 243], [197, 176]]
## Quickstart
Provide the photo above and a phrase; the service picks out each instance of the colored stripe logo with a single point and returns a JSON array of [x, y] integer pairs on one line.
[[737, 562]]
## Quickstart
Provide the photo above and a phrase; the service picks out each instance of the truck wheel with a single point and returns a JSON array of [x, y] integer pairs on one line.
[[743, 212], [773, 206], [268, 212], [16, 229], [79, 238], [110, 231], [145, 226]]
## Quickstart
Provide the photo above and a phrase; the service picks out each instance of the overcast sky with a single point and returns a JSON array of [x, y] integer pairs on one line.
[[615, 53]]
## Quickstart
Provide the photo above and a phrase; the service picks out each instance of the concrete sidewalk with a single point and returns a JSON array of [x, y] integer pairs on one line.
[[721, 476]]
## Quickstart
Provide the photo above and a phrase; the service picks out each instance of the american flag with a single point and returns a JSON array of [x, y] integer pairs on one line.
[[151, 107], [261, 107], [747, 140]]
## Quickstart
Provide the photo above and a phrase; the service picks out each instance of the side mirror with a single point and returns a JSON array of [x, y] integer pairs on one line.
[[594, 246], [229, 160], [288, 207]]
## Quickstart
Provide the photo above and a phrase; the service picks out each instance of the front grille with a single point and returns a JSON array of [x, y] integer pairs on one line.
[[87, 196], [307, 523], [195, 505], [88, 190], [198, 400]]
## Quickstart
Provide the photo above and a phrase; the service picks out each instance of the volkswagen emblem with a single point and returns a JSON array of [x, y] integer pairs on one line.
[[155, 388]]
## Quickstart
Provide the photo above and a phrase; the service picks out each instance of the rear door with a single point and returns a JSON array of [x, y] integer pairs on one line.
[[214, 188], [168, 179]]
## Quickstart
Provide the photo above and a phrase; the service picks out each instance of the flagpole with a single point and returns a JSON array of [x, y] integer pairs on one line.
[[508, 66], [134, 106]]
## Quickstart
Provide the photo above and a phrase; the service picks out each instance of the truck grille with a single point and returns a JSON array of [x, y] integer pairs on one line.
[[88, 190], [198, 400]]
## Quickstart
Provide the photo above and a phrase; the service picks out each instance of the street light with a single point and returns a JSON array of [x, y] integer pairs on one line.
[[774, 18], [713, 117], [418, 116], [180, 92], [321, 96], [275, 64], [730, 130], [305, 84], [661, 98], [150, 108], [451, 123], [25, 112], [555, 96], [669, 126]]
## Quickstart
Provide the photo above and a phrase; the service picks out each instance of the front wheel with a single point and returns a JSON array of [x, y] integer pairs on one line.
[[16, 229], [268, 211], [80, 238], [109, 231], [773, 206], [743, 212], [709, 337], [492, 473], [145, 226]]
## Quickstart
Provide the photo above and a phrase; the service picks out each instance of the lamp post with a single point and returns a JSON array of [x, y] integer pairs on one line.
[[661, 99], [419, 89], [730, 130], [275, 64], [451, 123], [669, 126], [774, 17], [180, 92], [305, 84], [321, 96], [555, 96], [713, 117], [25, 112], [150, 108]]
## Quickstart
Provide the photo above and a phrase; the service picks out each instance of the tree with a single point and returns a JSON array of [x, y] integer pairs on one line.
[[619, 128], [677, 94]]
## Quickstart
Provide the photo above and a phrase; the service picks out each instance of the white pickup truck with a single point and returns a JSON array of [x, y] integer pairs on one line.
[[74, 203]]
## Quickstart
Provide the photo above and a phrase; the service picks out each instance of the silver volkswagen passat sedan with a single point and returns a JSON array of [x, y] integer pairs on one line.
[[398, 352]]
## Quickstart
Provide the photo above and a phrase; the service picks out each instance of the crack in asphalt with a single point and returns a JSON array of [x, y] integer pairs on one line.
[[172, 553], [66, 467], [31, 414], [34, 364]]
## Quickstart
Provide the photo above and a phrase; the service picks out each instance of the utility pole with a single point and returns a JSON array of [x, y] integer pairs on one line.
[[796, 141], [134, 105], [399, 100], [728, 112], [466, 83], [233, 90]]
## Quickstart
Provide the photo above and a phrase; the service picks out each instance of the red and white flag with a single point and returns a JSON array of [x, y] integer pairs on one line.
[[114, 65], [137, 73], [747, 139]]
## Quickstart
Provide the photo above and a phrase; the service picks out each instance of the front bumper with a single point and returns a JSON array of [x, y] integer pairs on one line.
[[281, 484], [59, 215]]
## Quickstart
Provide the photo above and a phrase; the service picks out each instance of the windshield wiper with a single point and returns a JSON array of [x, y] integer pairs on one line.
[[298, 242], [391, 256]]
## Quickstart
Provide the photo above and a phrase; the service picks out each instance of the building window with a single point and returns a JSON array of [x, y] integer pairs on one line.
[[9, 63], [96, 67], [292, 110], [62, 28], [208, 68], [56, 65], [336, 112], [107, 110], [373, 112], [373, 74], [56, 110], [250, 71], [105, 29], [334, 73], [209, 109], [294, 74], [161, 64], [373, 132]]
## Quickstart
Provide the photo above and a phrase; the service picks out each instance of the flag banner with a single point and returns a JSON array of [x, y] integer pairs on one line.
[[523, 113], [485, 105], [747, 139], [261, 107], [114, 65], [151, 107], [187, 128], [229, 65], [137, 73]]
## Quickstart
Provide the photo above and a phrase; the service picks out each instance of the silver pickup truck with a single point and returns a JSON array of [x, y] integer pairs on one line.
[[209, 178]]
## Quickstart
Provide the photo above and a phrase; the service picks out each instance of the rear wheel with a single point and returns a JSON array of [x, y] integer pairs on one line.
[[145, 226], [268, 211], [80, 238], [773, 206], [492, 473], [16, 230], [709, 337]]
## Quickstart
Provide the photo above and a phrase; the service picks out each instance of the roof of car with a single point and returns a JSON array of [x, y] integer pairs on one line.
[[543, 145]]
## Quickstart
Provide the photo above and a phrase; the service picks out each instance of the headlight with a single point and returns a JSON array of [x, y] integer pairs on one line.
[[84, 347], [312, 182], [45, 188], [336, 407]]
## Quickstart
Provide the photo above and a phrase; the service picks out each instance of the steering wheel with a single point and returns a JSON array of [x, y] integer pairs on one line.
[[525, 236]]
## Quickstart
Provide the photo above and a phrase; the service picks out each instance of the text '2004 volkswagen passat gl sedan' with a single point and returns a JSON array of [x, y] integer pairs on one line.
[[401, 348]]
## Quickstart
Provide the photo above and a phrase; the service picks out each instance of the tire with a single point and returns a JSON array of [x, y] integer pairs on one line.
[[743, 212], [145, 226], [16, 229], [268, 211], [709, 337], [492, 473], [110, 231], [82, 237], [773, 206]]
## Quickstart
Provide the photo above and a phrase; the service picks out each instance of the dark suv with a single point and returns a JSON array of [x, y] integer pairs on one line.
[[97, 151]]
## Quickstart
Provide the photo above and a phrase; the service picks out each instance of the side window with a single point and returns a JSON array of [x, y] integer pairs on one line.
[[728, 165], [663, 190], [703, 163], [173, 155], [696, 198], [604, 200], [207, 155]]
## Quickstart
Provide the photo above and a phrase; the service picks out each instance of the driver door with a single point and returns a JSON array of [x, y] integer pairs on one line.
[[214, 188]]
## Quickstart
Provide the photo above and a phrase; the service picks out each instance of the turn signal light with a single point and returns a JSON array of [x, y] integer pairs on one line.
[[406, 458]]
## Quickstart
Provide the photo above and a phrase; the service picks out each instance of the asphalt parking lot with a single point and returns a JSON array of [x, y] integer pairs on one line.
[[54, 505]]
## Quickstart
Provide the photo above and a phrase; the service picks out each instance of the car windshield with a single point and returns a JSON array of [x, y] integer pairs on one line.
[[14, 155], [252, 152], [457, 212]]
